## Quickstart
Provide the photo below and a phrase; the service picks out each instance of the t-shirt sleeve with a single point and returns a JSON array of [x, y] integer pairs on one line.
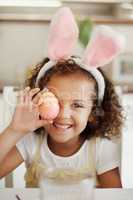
[[26, 147], [109, 155]]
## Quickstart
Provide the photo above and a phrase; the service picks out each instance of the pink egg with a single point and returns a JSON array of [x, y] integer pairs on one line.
[[49, 105]]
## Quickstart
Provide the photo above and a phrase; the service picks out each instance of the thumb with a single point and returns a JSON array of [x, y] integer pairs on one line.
[[43, 122]]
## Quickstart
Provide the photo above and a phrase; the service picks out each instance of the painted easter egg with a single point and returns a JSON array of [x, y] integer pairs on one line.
[[48, 105]]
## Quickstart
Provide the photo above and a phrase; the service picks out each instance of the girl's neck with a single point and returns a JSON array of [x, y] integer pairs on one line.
[[65, 149]]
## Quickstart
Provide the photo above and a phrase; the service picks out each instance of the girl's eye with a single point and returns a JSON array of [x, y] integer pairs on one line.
[[77, 105]]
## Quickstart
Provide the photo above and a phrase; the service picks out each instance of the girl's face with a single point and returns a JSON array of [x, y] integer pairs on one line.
[[75, 93]]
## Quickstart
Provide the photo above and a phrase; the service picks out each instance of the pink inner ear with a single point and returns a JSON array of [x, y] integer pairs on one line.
[[102, 49], [63, 35]]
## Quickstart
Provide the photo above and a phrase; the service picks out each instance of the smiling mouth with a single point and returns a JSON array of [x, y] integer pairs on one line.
[[62, 126]]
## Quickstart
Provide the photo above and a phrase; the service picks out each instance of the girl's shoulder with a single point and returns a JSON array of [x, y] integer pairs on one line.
[[108, 154], [102, 142], [107, 142], [107, 145], [104, 145]]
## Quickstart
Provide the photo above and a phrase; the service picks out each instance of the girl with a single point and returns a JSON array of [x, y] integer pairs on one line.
[[81, 136]]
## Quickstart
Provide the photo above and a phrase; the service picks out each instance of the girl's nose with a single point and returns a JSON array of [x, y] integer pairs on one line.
[[65, 112]]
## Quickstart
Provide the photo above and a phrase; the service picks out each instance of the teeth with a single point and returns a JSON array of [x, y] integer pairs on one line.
[[62, 126]]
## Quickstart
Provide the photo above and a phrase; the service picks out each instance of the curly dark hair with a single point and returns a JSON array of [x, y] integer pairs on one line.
[[107, 115]]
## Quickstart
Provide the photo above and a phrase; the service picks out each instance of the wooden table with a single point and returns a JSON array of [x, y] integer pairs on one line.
[[100, 194]]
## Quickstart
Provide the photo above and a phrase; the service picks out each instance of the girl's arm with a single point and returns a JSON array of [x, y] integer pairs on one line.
[[12, 160], [25, 119], [110, 179], [8, 139]]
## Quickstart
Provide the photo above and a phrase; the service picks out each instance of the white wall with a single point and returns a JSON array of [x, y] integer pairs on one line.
[[1, 128], [127, 143], [21, 44]]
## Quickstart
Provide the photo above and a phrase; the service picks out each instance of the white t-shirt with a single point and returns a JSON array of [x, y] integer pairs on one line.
[[107, 154]]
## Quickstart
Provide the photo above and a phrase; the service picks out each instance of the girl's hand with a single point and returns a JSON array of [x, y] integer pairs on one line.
[[26, 115]]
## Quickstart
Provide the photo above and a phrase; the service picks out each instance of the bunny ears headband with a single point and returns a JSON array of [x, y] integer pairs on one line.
[[104, 45]]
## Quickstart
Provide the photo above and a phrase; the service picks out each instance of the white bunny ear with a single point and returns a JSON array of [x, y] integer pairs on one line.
[[63, 35], [104, 45]]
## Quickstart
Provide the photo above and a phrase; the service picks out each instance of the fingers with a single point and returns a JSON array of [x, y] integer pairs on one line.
[[39, 121], [22, 95], [25, 96], [35, 112], [36, 98], [33, 92]]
